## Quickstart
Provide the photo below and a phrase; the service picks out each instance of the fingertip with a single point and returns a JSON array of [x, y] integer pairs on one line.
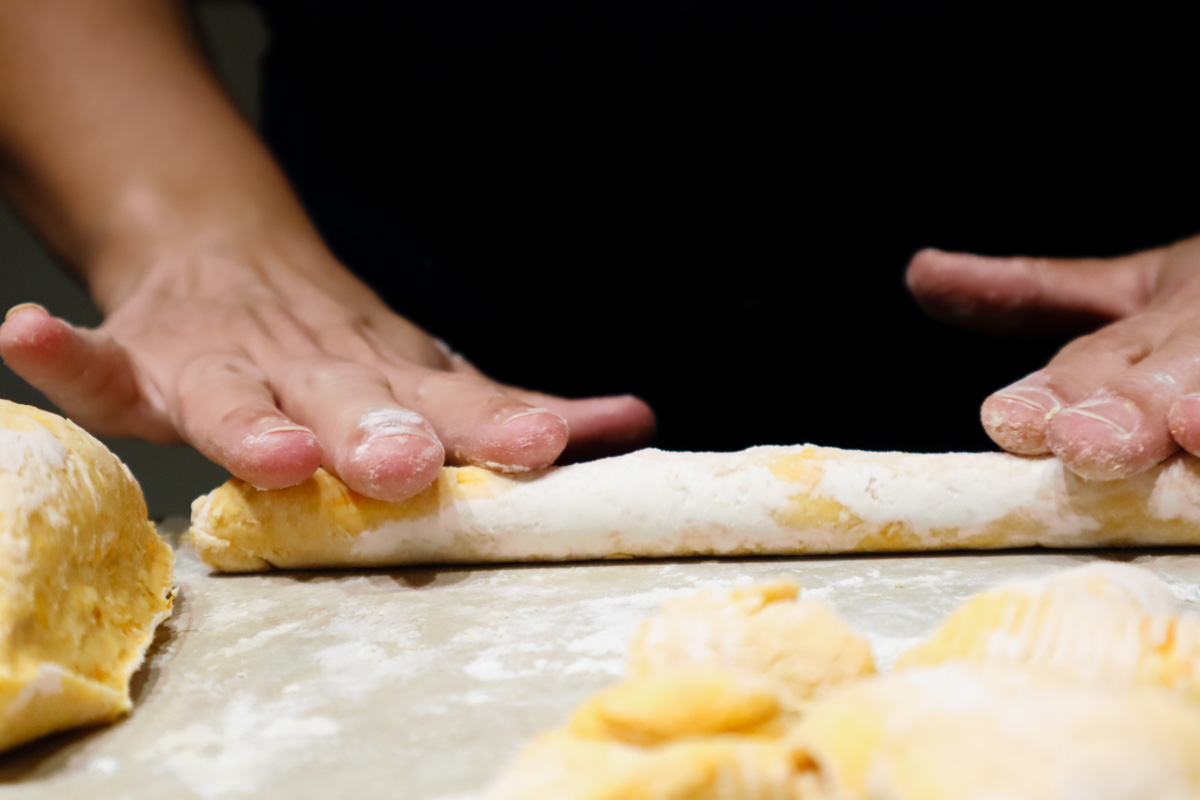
[[392, 468], [19, 307], [29, 332], [1017, 416], [924, 268], [277, 458], [607, 426], [531, 438], [1015, 425], [1183, 419], [1107, 438]]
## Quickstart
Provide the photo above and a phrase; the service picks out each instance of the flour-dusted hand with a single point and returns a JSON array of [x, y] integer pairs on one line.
[[273, 377], [228, 323], [1112, 403]]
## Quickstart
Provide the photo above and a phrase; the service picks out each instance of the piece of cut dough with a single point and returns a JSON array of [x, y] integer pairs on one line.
[[963, 732], [1020, 707], [801, 649], [84, 577], [562, 766], [718, 680], [1106, 625], [761, 501]]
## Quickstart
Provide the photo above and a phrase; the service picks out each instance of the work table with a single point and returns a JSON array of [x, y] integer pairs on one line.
[[421, 683]]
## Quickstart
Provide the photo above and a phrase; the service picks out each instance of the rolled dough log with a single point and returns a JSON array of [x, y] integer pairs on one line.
[[761, 501], [84, 577]]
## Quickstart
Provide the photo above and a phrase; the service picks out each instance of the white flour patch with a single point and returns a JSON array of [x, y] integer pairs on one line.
[[105, 765], [823, 592], [600, 666], [475, 697], [610, 641], [22, 449], [48, 681], [249, 744], [259, 639], [37, 462], [888, 649]]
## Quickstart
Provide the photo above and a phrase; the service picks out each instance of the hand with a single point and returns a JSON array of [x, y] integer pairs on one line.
[[228, 324], [270, 369], [1112, 403]]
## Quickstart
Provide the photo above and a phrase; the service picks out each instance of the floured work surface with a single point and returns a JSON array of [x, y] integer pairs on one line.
[[423, 683]]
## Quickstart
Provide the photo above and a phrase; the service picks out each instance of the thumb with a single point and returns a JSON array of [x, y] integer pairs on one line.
[[1031, 295], [86, 373]]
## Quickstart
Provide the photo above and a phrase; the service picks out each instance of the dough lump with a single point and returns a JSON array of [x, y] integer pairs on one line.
[[1107, 625], [800, 649], [717, 682], [654, 504], [1078, 685], [963, 732], [84, 577]]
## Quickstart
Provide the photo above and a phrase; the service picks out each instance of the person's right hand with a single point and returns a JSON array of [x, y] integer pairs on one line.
[[227, 323], [270, 368]]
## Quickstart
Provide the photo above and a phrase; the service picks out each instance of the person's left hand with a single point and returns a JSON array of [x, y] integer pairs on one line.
[[1112, 403]]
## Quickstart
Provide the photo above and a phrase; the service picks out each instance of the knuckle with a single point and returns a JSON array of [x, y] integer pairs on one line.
[[437, 386], [1145, 388], [199, 373], [318, 377], [1185, 338], [1115, 342]]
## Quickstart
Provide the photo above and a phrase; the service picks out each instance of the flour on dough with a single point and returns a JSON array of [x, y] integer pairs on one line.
[[655, 504], [84, 577], [1078, 685]]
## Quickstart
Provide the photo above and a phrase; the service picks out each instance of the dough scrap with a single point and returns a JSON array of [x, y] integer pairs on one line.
[[706, 711], [800, 649], [84, 577], [1107, 625], [761, 501], [964, 732], [1007, 699]]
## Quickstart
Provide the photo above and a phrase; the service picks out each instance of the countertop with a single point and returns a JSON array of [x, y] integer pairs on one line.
[[421, 683]]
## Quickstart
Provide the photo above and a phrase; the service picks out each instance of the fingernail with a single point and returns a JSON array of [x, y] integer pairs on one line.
[[287, 429], [530, 413], [19, 307], [1119, 414], [1032, 395], [255, 439], [384, 422]]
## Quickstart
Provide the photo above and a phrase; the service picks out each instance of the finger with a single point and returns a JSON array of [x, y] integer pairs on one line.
[[1184, 421], [1018, 416], [227, 411], [86, 373], [378, 447], [1122, 428], [481, 424], [598, 426], [1031, 295]]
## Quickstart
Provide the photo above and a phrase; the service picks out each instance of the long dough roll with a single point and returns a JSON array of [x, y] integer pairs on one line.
[[761, 501]]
